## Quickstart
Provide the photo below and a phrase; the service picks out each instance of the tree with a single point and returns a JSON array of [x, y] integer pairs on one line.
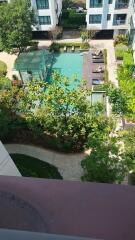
[[16, 20], [87, 34], [66, 112], [107, 162], [84, 36], [56, 32], [59, 111], [67, 3]]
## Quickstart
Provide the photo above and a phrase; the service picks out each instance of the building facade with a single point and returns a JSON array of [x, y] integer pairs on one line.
[[48, 13], [112, 15], [132, 27]]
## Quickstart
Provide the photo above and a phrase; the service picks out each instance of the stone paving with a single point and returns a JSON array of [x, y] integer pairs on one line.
[[9, 59], [69, 165]]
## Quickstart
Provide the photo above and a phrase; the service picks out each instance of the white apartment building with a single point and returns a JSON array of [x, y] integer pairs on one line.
[[112, 15], [132, 27], [48, 13]]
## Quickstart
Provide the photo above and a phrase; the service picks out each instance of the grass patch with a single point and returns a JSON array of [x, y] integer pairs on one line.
[[32, 167]]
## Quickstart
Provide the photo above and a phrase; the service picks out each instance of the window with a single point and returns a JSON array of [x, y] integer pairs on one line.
[[108, 17], [44, 20], [95, 18], [96, 3], [109, 1], [42, 4]]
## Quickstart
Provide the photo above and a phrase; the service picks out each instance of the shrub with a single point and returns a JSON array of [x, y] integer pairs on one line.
[[33, 45], [119, 53], [3, 69], [105, 61], [121, 39], [105, 56], [71, 19], [55, 47], [85, 46], [128, 58], [77, 18]]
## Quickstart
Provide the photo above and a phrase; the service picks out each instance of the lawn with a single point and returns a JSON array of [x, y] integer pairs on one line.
[[32, 167]]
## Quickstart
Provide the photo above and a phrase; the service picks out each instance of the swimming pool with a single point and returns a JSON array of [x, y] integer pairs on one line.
[[69, 65]]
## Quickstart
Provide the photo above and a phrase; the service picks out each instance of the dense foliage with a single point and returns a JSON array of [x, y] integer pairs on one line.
[[72, 20], [127, 84], [59, 111], [16, 20], [107, 162], [121, 39]]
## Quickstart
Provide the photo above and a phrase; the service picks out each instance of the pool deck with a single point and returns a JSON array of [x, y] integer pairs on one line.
[[87, 69]]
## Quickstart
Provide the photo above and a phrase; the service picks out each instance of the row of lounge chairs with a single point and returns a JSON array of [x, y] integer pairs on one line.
[[72, 49], [98, 70]]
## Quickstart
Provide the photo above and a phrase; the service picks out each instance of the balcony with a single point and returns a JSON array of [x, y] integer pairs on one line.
[[119, 19], [121, 4]]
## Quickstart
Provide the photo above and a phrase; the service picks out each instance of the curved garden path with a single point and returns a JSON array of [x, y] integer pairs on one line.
[[69, 165]]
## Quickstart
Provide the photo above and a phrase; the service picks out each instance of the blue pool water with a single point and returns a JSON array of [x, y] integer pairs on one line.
[[69, 65]]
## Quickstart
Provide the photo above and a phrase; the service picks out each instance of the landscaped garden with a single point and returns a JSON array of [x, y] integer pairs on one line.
[[61, 117], [32, 167]]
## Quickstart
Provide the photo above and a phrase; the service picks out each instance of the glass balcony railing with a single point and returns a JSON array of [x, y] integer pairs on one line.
[[119, 22]]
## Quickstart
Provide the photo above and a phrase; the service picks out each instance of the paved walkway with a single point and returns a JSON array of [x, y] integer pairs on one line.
[[69, 165]]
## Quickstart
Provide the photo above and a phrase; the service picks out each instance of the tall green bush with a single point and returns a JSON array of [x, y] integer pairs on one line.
[[3, 69]]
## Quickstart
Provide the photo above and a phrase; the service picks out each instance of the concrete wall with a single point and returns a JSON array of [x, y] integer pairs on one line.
[[7, 166]]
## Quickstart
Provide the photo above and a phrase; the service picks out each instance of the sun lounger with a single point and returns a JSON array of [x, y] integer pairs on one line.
[[97, 54], [65, 49], [98, 76], [73, 48], [98, 60], [99, 69], [96, 81]]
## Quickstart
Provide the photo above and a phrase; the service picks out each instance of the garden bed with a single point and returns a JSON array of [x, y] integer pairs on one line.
[[56, 47], [25, 136], [32, 167]]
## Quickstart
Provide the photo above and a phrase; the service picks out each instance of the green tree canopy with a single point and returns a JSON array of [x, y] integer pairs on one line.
[[107, 162], [16, 20], [57, 109]]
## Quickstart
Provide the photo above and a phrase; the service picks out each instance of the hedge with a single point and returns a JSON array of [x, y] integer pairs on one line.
[[3, 69], [56, 46], [71, 19]]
